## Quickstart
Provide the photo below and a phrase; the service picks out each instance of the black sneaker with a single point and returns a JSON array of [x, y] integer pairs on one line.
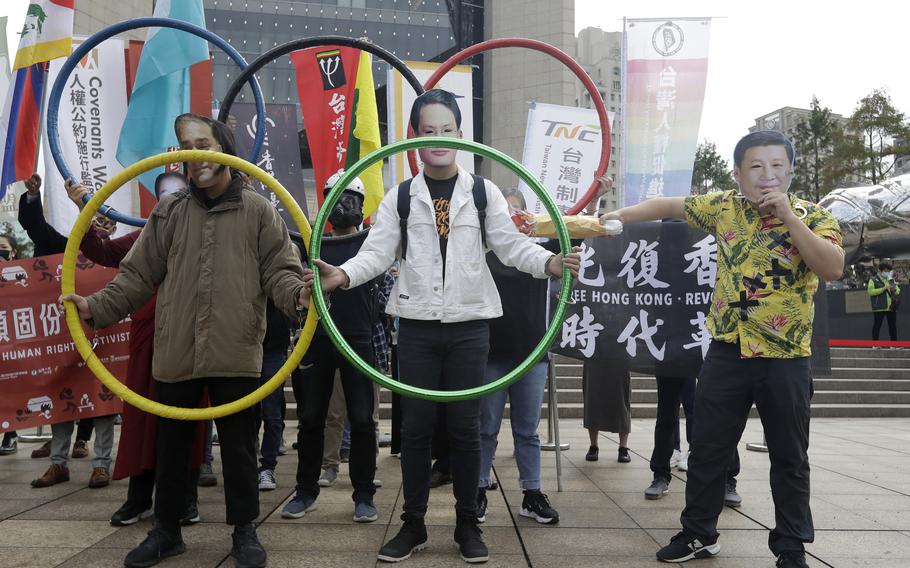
[[247, 551], [10, 445], [468, 541], [158, 545], [438, 479], [683, 548], [130, 513], [192, 514], [536, 505], [792, 559], [411, 538], [481, 505]]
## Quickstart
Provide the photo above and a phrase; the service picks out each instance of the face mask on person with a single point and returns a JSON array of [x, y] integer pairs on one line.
[[887, 274], [4, 255], [347, 212]]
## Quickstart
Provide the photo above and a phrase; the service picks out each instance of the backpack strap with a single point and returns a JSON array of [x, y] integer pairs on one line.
[[404, 211], [480, 202]]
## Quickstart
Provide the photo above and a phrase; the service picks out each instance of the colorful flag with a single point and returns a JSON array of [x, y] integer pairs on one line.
[[666, 64], [340, 116], [47, 32], [161, 91]]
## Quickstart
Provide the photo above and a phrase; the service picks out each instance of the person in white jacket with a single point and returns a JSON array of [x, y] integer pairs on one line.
[[444, 296]]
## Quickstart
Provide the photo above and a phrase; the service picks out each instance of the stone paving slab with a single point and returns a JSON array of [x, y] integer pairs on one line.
[[860, 501]]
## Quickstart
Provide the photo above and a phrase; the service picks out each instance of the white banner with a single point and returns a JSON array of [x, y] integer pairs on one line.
[[92, 109], [562, 150], [401, 97]]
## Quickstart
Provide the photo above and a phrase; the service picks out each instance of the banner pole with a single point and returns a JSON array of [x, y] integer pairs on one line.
[[763, 447], [39, 436]]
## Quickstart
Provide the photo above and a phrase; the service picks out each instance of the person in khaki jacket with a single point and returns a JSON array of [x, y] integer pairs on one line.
[[214, 251]]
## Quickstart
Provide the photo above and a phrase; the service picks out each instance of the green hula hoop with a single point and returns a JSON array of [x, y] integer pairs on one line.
[[342, 345]]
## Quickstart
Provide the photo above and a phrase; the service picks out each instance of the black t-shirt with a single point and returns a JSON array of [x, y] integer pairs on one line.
[[351, 310], [441, 194]]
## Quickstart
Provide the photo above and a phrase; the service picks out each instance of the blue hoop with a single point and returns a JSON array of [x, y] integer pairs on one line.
[[53, 103]]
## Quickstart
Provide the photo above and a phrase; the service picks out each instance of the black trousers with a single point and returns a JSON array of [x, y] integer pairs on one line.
[[670, 391], [237, 434], [891, 315], [315, 382], [443, 356], [781, 390]]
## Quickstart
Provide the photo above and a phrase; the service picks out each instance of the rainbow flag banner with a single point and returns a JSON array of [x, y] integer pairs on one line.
[[666, 64]]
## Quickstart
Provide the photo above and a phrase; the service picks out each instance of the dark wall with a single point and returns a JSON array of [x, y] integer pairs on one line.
[[844, 322]]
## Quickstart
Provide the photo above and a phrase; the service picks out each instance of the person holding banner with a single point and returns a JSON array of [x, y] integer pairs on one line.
[[224, 239], [48, 241], [138, 433], [443, 297], [772, 250]]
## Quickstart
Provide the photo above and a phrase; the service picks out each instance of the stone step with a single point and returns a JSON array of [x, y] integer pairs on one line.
[[871, 362], [870, 352]]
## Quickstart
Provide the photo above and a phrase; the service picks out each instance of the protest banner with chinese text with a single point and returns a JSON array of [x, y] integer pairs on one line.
[[644, 297], [562, 149], [280, 154], [666, 64], [43, 379], [92, 110], [338, 102]]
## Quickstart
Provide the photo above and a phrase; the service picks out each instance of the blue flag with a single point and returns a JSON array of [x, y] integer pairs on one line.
[[161, 91]]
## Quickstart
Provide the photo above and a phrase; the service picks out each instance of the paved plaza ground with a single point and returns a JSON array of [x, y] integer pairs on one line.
[[860, 502]]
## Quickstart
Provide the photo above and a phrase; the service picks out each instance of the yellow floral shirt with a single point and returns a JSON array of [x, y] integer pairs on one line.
[[763, 291]]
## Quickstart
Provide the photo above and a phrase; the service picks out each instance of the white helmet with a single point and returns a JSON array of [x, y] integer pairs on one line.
[[356, 186]]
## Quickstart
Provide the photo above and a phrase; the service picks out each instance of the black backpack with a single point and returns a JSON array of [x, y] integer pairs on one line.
[[404, 210]]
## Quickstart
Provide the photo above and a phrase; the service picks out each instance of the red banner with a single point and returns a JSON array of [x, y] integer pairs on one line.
[[43, 379], [326, 77]]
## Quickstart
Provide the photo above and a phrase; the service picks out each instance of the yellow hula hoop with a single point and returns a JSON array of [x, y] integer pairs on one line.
[[68, 286]]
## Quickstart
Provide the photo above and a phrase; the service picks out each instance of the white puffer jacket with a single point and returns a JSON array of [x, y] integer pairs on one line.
[[469, 292]]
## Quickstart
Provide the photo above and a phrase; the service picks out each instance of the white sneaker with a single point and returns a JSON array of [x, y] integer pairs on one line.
[[267, 480], [684, 462], [675, 459]]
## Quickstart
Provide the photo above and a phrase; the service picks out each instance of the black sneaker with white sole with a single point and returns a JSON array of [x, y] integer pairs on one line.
[[131, 513], [411, 538], [683, 548], [468, 541], [792, 559], [536, 505]]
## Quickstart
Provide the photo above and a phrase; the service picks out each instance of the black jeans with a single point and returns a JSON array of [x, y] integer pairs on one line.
[[442, 356], [688, 403], [670, 392], [315, 382], [891, 315], [781, 390], [237, 434]]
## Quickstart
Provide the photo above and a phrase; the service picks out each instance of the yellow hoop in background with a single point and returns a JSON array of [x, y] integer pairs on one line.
[[68, 286]]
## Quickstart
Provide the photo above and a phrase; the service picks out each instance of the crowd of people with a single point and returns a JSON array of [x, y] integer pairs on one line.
[[445, 293]]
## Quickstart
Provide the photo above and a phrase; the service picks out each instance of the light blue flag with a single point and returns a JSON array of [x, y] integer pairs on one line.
[[161, 91]]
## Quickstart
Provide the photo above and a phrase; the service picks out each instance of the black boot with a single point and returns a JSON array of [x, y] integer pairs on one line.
[[247, 551], [467, 538], [163, 540], [411, 538]]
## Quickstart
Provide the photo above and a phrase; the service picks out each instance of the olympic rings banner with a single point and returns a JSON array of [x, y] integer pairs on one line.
[[43, 379], [666, 65]]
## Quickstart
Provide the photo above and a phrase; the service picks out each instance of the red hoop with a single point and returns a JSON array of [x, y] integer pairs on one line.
[[573, 66]]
